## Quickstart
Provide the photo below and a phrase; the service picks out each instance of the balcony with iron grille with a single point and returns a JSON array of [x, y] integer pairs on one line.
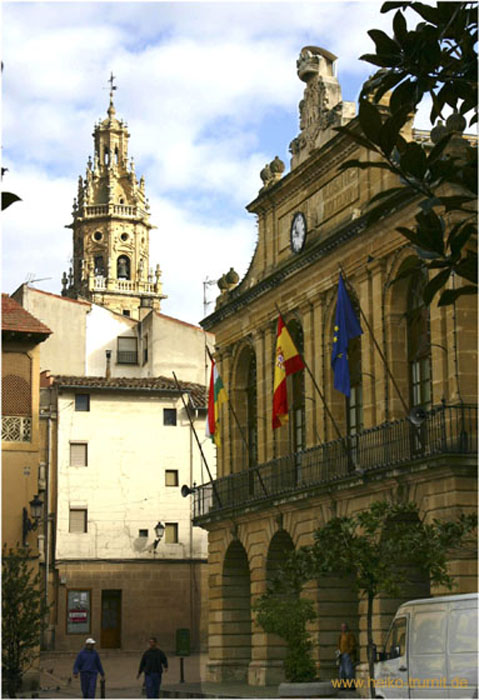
[[447, 431]]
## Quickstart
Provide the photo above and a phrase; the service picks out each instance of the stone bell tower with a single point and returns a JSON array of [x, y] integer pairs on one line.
[[111, 228]]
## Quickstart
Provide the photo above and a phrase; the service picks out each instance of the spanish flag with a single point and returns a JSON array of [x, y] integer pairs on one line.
[[287, 361], [216, 396]]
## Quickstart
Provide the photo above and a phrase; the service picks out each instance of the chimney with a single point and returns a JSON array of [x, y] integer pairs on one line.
[[108, 364]]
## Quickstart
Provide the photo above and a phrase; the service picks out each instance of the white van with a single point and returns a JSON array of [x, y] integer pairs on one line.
[[431, 650]]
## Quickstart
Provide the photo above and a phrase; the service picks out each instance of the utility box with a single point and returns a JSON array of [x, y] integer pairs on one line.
[[183, 642]]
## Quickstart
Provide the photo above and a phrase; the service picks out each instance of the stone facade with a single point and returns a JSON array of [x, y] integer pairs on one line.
[[337, 456]]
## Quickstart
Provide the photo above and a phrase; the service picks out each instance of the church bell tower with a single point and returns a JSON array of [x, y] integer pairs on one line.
[[111, 228]]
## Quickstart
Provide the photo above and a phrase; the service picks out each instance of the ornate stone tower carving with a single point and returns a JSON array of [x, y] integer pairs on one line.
[[321, 107], [111, 228]]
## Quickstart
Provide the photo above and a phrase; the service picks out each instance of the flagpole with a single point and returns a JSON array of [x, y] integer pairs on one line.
[[376, 345], [341, 437], [241, 430], [181, 392]]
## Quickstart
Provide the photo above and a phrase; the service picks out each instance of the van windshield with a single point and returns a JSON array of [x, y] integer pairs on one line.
[[396, 641]]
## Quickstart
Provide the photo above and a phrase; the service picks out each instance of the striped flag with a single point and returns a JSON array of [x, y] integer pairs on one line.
[[287, 361], [216, 396]]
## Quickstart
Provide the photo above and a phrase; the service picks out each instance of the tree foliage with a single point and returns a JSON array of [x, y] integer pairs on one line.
[[438, 59], [23, 615], [375, 547]]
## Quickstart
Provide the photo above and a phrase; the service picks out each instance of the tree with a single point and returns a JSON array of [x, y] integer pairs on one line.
[[23, 615], [438, 58], [373, 547]]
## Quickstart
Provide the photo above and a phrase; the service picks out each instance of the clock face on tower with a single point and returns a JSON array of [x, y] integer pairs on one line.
[[298, 232]]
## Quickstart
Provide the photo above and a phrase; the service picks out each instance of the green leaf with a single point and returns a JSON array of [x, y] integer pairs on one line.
[[383, 61], [408, 267], [370, 120], [450, 295], [400, 27], [385, 193], [9, 198], [405, 96], [358, 138], [384, 44], [430, 14], [387, 6], [434, 285], [413, 160]]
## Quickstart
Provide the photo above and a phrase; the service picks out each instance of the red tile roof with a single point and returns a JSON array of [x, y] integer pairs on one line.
[[197, 392], [15, 319]]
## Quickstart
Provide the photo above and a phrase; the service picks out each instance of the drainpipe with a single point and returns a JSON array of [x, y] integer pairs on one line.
[[108, 364]]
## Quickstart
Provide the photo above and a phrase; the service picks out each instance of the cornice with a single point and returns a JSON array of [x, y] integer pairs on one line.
[[240, 298]]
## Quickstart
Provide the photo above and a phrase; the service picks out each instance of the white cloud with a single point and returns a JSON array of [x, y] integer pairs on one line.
[[201, 86]]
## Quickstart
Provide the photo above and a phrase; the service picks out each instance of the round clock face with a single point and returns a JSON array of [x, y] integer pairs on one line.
[[298, 232]]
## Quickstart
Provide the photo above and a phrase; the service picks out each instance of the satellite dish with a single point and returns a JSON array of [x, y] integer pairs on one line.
[[186, 491], [417, 416]]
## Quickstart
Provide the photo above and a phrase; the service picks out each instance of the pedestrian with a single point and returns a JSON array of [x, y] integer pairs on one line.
[[347, 648], [88, 664], [152, 663]]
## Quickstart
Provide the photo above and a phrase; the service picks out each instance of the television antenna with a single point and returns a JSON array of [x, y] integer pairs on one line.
[[30, 278]]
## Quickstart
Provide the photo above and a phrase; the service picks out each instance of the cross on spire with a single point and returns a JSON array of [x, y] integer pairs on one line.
[[110, 80]]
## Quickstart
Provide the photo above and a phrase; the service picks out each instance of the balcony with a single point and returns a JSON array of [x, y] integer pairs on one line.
[[123, 210], [446, 430]]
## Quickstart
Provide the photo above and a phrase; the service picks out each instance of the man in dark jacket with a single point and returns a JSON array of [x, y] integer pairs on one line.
[[88, 664], [152, 663]]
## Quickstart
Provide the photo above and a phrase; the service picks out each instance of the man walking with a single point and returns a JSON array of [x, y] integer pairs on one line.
[[152, 663], [88, 664], [347, 650]]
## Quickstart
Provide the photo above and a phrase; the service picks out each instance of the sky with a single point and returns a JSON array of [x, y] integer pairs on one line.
[[210, 94]]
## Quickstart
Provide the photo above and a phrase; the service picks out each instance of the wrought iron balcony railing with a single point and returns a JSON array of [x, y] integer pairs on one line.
[[446, 430]]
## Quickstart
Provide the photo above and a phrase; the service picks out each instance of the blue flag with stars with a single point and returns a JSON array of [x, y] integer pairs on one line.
[[346, 327]]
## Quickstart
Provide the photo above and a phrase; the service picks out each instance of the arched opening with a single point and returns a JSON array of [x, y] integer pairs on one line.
[[117, 155], [245, 436], [297, 408], [338, 602], [123, 267], [236, 623], [106, 155], [99, 265], [280, 546]]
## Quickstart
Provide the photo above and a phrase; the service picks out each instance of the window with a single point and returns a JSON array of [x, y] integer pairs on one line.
[[169, 416], [396, 642], [78, 612], [145, 348], [99, 263], [127, 351], [171, 533], [78, 454], [126, 312], [419, 344], [142, 533], [171, 477], [78, 520], [82, 402]]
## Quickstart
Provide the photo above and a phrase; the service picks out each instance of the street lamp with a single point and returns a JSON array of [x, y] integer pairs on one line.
[[28, 525], [159, 532]]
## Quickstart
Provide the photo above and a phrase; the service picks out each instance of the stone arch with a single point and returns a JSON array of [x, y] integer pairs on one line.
[[244, 396], [123, 270], [280, 546], [236, 622]]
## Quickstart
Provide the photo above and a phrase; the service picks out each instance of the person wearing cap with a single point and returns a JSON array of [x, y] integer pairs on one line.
[[152, 663], [88, 665]]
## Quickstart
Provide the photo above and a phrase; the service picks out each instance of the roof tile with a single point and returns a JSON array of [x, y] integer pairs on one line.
[[18, 320]]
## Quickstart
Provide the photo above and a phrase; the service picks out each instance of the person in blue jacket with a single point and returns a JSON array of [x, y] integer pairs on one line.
[[88, 664]]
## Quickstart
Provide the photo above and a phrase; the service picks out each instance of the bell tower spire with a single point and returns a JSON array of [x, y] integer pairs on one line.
[[111, 226]]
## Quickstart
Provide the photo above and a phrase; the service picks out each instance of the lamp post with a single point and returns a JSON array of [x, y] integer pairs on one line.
[[159, 532], [28, 525]]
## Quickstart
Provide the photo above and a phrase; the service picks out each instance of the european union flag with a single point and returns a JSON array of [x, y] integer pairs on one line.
[[346, 327]]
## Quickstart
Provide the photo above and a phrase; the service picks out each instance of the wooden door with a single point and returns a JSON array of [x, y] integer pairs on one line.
[[110, 619]]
